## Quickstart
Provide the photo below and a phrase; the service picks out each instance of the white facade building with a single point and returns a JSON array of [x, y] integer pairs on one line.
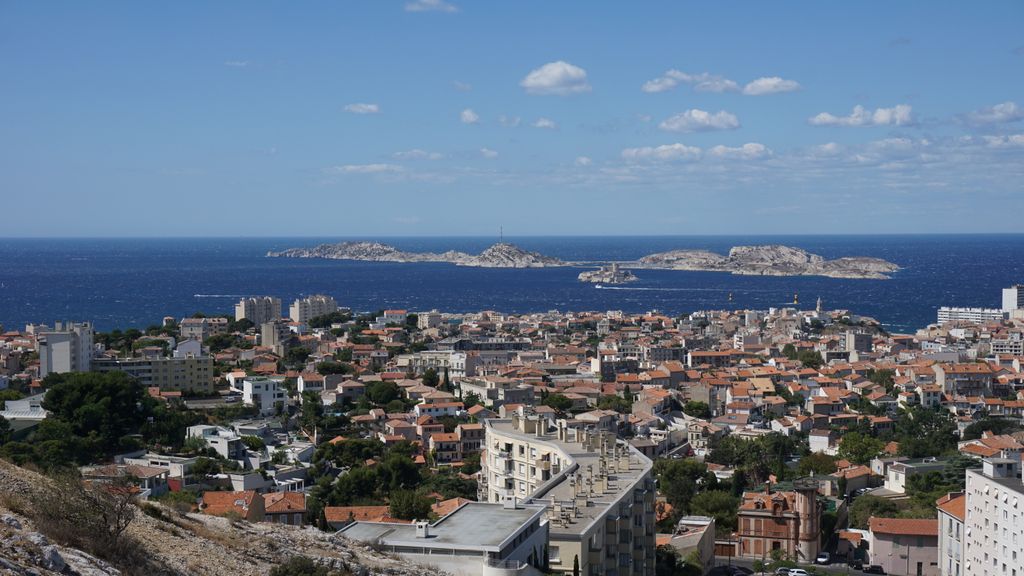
[[66, 348], [976, 315], [259, 309], [994, 520], [263, 393], [1013, 298], [304, 309]]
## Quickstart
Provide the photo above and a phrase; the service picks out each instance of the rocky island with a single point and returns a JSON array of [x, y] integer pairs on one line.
[[769, 260], [500, 255]]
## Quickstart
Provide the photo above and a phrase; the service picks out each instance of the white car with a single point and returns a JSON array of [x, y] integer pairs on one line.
[[797, 572]]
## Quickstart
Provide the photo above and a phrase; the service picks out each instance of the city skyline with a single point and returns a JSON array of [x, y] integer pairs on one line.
[[433, 118]]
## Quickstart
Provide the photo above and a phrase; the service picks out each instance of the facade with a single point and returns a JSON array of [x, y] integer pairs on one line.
[[994, 519], [192, 374], [428, 320], [202, 328], [784, 521], [951, 510], [224, 441], [275, 335], [258, 309], [303, 309], [905, 546], [66, 348], [598, 492], [264, 394], [975, 315], [1013, 298]]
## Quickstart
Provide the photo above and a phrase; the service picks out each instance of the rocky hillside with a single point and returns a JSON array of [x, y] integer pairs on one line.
[[500, 255], [171, 543], [770, 260]]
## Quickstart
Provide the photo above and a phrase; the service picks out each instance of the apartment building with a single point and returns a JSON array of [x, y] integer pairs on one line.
[[784, 521], [66, 348], [951, 508], [1013, 298], [993, 542], [202, 328], [495, 391], [905, 546], [263, 393], [258, 309], [190, 374], [598, 492], [974, 315], [303, 309]]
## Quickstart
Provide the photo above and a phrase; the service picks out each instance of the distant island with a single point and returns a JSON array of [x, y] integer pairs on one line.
[[766, 260], [500, 255]]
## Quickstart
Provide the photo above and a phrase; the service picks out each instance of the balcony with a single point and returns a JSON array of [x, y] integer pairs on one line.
[[542, 464]]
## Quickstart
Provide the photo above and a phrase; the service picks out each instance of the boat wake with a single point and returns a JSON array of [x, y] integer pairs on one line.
[[218, 296]]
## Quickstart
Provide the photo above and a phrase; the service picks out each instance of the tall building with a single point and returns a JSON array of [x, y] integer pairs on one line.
[[258, 309], [202, 328], [951, 509], [275, 335], [993, 542], [598, 492], [1013, 298], [310, 307], [66, 348]]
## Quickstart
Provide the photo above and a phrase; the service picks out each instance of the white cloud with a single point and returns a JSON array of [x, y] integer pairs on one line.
[[362, 108], [898, 115], [665, 152], [509, 121], [417, 154], [583, 161], [770, 85], [237, 63], [430, 6], [703, 82], [545, 123], [365, 168], [488, 153], [558, 78], [1010, 141], [998, 114], [695, 120], [827, 149], [467, 116], [748, 151], [462, 86]]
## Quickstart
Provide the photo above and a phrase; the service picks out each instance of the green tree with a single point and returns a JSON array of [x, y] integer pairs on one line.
[[680, 480], [296, 356], [409, 505], [254, 443], [859, 448], [718, 504], [810, 359], [616, 403], [697, 409], [204, 467], [789, 351], [558, 402], [380, 393], [329, 367], [430, 378], [816, 463], [5, 431], [867, 506]]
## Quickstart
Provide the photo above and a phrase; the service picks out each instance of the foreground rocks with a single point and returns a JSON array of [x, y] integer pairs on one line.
[[177, 544]]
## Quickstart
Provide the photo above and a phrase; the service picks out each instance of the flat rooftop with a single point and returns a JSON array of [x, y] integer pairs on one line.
[[472, 526], [619, 483]]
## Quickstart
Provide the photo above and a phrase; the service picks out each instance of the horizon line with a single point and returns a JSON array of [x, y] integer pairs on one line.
[[506, 237]]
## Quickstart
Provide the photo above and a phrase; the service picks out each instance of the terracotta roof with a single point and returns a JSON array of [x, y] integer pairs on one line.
[[904, 526], [337, 514], [280, 502], [953, 504], [446, 507], [220, 503]]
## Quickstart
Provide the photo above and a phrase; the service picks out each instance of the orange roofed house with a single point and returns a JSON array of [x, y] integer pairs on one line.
[[786, 521], [247, 505]]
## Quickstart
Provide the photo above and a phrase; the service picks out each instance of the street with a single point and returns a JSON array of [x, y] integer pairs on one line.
[[722, 567]]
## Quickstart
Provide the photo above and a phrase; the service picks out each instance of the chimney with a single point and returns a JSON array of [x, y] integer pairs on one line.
[[509, 502], [422, 529]]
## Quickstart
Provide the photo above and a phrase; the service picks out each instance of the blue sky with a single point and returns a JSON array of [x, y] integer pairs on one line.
[[433, 117]]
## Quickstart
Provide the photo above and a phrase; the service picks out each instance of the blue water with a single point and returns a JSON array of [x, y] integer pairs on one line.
[[121, 283]]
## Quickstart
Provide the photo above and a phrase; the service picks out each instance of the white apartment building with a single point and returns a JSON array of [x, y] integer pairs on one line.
[[1013, 298], [201, 328], [193, 374], [258, 309], [993, 543], [263, 393], [66, 348], [976, 315], [598, 491], [303, 309], [427, 320]]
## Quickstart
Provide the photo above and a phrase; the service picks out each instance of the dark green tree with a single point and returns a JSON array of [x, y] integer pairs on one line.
[[409, 505]]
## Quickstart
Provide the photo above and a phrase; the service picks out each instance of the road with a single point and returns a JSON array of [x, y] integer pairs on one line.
[[721, 568]]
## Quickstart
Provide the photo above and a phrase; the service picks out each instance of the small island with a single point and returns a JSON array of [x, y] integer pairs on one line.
[[608, 275], [764, 260]]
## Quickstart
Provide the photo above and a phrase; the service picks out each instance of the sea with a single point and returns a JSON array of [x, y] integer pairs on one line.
[[135, 282]]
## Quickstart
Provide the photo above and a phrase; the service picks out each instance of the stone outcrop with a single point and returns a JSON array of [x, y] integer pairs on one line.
[[500, 255], [769, 260]]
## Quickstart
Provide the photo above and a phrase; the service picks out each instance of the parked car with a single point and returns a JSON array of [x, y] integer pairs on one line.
[[797, 572], [823, 558], [782, 572], [874, 569]]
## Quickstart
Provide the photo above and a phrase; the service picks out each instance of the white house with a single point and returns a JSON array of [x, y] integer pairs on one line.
[[263, 393]]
